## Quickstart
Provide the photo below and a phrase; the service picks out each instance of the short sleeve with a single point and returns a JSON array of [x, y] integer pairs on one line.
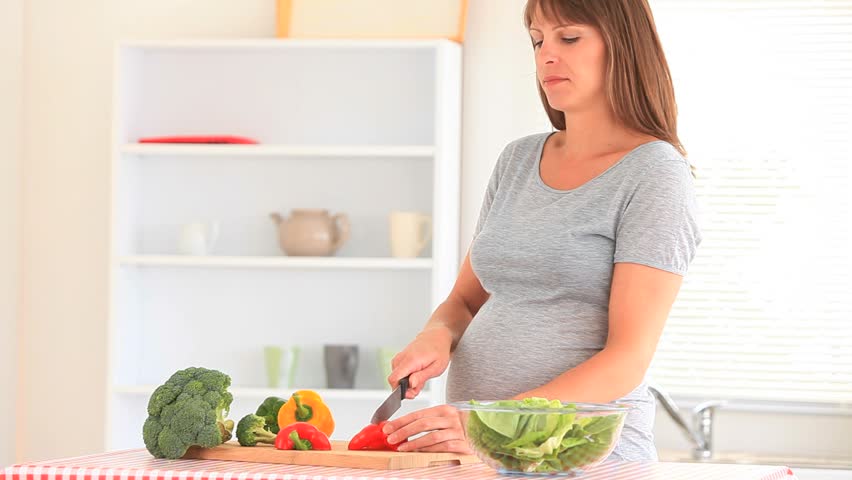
[[493, 185], [659, 224]]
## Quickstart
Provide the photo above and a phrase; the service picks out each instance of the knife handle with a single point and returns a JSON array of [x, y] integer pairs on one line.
[[403, 386]]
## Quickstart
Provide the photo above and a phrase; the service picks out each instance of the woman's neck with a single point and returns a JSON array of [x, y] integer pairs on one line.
[[593, 133]]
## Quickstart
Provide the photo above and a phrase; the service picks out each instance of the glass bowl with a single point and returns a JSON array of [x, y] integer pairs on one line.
[[536, 436]]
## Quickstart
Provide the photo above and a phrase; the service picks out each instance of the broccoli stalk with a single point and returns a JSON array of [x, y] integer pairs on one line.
[[225, 425], [188, 410], [251, 431]]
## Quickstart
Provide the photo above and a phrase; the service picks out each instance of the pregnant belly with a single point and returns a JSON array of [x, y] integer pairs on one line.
[[495, 360]]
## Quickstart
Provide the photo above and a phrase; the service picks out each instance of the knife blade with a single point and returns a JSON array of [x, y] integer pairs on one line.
[[392, 403]]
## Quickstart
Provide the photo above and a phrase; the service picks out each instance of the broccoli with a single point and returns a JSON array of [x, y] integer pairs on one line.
[[269, 411], [251, 430], [189, 409]]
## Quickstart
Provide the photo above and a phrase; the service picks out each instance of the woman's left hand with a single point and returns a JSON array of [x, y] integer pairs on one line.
[[444, 427]]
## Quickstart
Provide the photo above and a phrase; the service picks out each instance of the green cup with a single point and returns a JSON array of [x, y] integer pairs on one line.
[[385, 356], [272, 355], [281, 363]]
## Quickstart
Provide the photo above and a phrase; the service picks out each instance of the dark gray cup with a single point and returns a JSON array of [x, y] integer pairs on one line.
[[341, 364]]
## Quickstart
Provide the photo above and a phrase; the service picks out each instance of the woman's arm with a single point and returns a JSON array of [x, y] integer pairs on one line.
[[640, 301], [428, 355], [455, 313]]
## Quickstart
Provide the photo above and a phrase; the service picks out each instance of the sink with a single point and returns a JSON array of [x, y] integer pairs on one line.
[[744, 458]]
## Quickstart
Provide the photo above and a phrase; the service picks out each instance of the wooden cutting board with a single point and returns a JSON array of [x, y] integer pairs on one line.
[[338, 456]]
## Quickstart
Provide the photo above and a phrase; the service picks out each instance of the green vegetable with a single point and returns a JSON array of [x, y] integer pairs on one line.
[[251, 430], [269, 411], [189, 409], [542, 442]]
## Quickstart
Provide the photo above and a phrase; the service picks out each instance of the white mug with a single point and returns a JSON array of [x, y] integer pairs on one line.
[[409, 233], [198, 238]]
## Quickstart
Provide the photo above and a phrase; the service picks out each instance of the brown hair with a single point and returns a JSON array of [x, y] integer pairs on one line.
[[638, 82]]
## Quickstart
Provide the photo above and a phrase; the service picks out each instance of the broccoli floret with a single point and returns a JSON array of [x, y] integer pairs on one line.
[[251, 431], [189, 409], [269, 411]]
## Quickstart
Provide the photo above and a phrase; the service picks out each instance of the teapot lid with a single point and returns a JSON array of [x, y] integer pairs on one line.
[[301, 211]]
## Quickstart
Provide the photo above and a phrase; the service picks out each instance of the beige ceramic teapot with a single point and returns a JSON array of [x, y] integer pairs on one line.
[[311, 232]]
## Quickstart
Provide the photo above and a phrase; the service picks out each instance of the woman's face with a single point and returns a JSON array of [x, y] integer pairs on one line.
[[570, 63]]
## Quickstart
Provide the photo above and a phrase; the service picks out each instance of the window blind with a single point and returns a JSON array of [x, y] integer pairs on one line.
[[764, 90]]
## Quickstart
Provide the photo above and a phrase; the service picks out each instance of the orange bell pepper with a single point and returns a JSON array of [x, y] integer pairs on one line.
[[306, 406]]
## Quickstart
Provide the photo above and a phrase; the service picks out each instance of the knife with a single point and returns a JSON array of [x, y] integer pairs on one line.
[[392, 403]]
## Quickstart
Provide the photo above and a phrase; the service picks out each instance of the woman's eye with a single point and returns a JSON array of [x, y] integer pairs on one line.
[[537, 43]]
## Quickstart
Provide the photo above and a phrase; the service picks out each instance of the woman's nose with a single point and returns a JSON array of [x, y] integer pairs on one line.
[[546, 54]]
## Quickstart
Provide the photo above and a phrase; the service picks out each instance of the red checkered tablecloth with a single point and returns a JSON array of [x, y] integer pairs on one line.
[[139, 465]]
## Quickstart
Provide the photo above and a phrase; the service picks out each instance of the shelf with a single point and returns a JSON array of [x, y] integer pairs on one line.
[[294, 43], [363, 263], [250, 392], [242, 150], [385, 159]]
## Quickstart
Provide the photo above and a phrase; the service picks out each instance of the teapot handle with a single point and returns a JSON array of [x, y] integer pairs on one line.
[[341, 220], [277, 218]]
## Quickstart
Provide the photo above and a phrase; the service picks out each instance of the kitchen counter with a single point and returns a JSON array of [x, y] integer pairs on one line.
[[139, 465], [792, 461]]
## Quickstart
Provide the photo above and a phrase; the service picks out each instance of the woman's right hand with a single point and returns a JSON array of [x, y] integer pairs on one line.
[[427, 356]]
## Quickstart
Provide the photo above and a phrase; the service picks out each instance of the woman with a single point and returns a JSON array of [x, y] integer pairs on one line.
[[582, 241]]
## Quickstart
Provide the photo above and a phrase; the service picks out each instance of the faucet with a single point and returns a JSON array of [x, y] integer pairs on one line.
[[699, 428]]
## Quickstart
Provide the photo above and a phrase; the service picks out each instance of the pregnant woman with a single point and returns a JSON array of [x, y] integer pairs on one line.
[[582, 241]]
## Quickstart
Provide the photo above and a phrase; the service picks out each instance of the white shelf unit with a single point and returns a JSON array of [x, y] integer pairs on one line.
[[362, 127]]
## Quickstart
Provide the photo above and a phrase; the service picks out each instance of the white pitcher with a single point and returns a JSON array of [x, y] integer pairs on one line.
[[198, 238]]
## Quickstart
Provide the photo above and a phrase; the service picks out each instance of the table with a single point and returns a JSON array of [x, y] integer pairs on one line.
[[138, 464]]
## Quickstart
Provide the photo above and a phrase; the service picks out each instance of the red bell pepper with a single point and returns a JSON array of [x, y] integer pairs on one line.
[[372, 437], [301, 436]]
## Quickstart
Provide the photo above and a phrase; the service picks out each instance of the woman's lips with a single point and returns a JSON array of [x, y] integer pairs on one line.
[[551, 80]]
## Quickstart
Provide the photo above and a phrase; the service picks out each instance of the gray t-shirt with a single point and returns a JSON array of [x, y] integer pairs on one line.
[[546, 258]]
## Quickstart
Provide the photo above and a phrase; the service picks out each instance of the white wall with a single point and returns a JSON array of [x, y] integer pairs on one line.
[[500, 98], [68, 70], [69, 56], [11, 92]]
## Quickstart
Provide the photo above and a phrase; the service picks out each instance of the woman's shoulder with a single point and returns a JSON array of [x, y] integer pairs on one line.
[[528, 143], [665, 152], [659, 168], [521, 151], [524, 146], [658, 156]]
